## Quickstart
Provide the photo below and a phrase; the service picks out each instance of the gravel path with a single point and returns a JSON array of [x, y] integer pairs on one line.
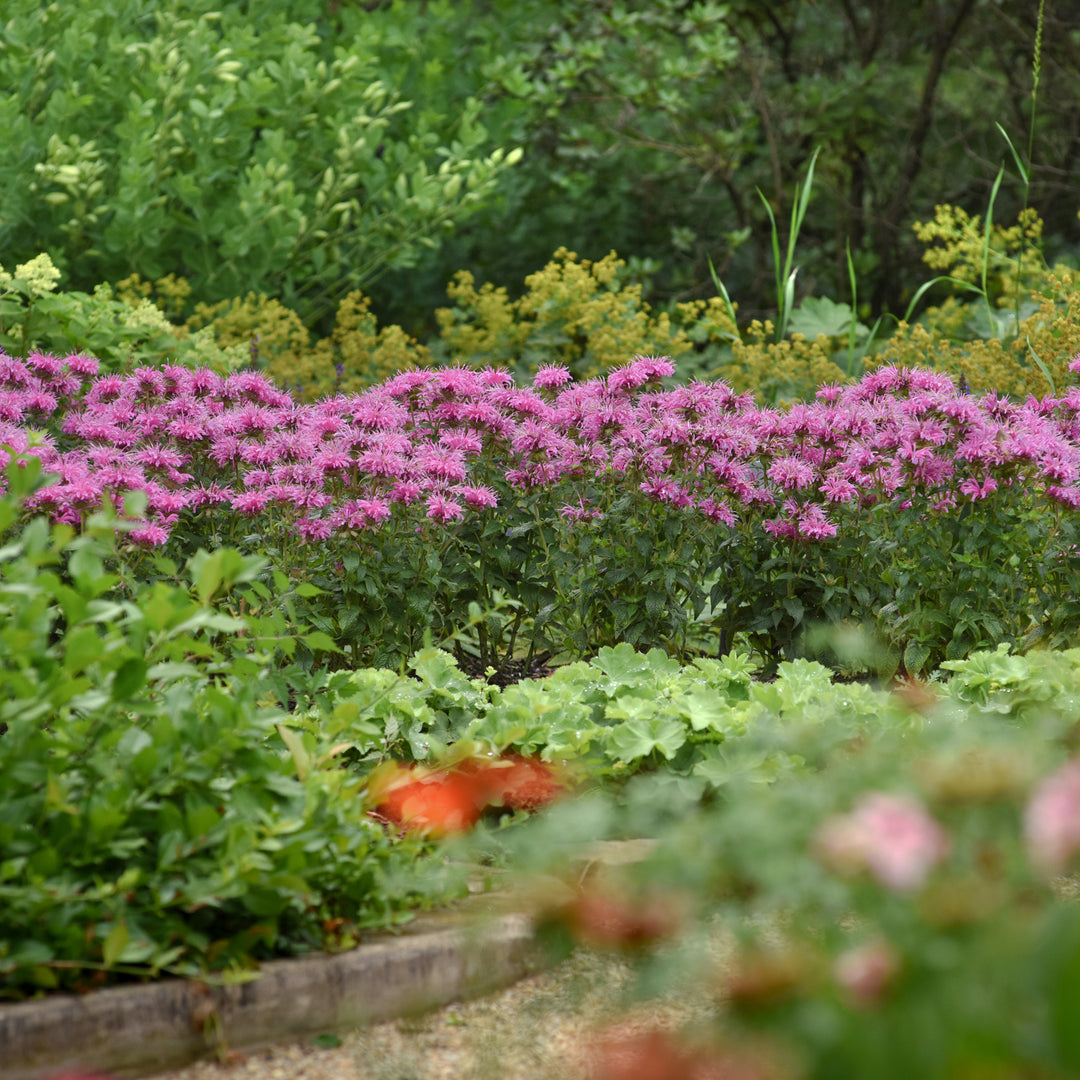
[[538, 1029]]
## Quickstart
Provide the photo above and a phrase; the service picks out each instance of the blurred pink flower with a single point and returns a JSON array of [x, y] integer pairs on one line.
[[891, 836], [867, 971], [1052, 820]]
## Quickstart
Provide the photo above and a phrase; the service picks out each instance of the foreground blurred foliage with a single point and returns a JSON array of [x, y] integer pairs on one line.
[[897, 899]]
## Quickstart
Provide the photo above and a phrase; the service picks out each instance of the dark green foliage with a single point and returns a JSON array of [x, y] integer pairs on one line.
[[650, 128]]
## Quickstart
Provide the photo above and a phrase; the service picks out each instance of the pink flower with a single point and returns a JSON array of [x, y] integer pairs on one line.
[[478, 497], [579, 512], [381, 461], [866, 972], [441, 509], [551, 376], [718, 512], [333, 458], [1067, 496], [442, 464], [791, 473], [838, 489], [496, 377], [891, 836], [45, 364], [459, 381], [250, 502], [1052, 820], [210, 495], [813, 524], [82, 365], [640, 370], [667, 491], [405, 491], [975, 490], [14, 373], [363, 513], [152, 535], [312, 529], [186, 430], [466, 442]]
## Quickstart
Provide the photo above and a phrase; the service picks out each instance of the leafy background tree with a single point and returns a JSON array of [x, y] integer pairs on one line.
[[313, 148], [650, 127]]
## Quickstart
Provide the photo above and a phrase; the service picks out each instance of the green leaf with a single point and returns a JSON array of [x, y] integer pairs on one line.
[[722, 765], [82, 647], [636, 739], [705, 708], [115, 943], [300, 756], [316, 640], [915, 656], [819, 315], [129, 678]]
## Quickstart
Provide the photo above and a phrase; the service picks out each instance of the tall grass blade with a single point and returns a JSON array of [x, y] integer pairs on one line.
[[987, 229], [1042, 367], [722, 292], [775, 251], [785, 275], [926, 285], [1016, 157]]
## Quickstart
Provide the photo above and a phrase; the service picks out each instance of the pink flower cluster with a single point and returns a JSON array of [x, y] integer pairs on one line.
[[890, 836], [444, 442]]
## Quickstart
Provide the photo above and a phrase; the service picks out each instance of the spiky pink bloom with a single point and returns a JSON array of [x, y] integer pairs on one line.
[[44, 364], [492, 377], [405, 491], [250, 502], [441, 464], [813, 524], [838, 489], [976, 490], [442, 509], [312, 530], [465, 442], [210, 495], [640, 370], [152, 535], [79, 364], [718, 512], [551, 376], [364, 513], [890, 836], [381, 461], [791, 473], [478, 496]]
